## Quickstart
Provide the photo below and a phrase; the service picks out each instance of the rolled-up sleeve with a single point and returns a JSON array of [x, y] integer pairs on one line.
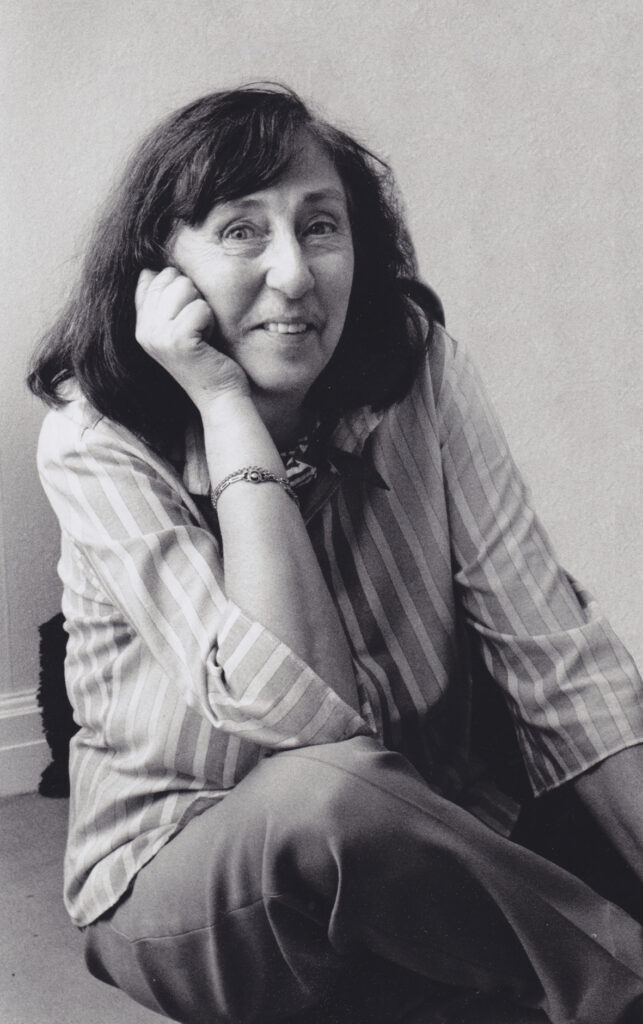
[[573, 689], [142, 552]]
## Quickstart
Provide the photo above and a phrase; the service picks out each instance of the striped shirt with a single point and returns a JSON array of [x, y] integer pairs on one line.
[[435, 561]]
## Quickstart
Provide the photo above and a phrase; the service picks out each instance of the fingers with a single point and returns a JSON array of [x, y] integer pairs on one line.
[[196, 318], [175, 296], [175, 325], [167, 292], [145, 279], [151, 283], [169, 310]]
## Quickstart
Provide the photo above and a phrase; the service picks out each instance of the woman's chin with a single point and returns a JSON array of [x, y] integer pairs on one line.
[[285, 384]]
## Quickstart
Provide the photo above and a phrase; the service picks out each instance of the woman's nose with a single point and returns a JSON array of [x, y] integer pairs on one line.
[[288, 270]]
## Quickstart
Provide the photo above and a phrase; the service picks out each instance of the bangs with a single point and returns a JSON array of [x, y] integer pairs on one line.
[[251, 146]]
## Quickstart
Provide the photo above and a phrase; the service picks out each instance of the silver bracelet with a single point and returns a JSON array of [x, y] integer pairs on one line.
[[253, 475]]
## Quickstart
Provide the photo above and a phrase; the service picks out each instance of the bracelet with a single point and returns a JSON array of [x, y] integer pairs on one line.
[[253, 475]]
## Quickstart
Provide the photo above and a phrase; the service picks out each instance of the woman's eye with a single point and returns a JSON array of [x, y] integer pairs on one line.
[[239, 233], [321, 227]]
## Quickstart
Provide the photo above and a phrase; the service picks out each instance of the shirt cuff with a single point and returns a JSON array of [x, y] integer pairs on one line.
[[259, 690], [576, 697]]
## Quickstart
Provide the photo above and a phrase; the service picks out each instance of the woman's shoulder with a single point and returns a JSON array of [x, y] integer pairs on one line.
[[445, 359], [76, 427], [446, 388]]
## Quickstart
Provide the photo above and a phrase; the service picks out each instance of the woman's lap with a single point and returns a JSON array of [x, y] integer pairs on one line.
[[324, 863]]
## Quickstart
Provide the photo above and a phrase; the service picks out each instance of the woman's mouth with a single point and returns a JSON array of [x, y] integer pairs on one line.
[[284, 327]]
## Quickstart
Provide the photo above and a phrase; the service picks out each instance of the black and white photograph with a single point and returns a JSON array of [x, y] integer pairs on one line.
[[320, 481]]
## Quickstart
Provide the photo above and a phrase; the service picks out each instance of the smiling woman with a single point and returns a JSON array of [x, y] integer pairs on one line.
[[276, 270], [296, 554], [182, 174]]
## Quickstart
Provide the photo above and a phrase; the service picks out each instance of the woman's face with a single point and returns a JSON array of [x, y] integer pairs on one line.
[[276, 267]]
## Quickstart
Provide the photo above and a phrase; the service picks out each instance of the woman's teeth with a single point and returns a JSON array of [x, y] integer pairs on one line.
[[276, 327]]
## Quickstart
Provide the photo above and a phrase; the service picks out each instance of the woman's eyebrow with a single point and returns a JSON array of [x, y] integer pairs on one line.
[[325, 193], [316, 196], [243, 201]]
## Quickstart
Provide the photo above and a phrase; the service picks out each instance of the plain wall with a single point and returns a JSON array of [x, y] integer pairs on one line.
[[514, 131]]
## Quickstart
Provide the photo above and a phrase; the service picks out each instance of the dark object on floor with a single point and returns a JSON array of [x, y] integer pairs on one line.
[[55, 709]]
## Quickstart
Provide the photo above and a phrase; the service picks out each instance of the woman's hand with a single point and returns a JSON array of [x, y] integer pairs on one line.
[[175, 325]]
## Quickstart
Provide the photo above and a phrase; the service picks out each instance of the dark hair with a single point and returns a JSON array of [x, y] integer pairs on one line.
[[220, 147]]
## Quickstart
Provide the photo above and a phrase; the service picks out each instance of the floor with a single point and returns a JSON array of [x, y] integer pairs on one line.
[[43, 979]]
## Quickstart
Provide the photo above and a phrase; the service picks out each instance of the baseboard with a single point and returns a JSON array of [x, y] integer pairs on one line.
[[23, 749]]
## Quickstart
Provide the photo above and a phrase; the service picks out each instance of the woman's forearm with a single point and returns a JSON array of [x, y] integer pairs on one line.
[[270, 567]]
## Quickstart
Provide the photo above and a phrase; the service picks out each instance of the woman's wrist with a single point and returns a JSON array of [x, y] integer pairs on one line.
[[219, 409], [254, 475], [236, 437]]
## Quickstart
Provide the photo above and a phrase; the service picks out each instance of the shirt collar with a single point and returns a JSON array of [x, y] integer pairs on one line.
[[353, 430]]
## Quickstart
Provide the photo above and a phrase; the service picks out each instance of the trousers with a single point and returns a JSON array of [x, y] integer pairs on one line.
[[337, 869]]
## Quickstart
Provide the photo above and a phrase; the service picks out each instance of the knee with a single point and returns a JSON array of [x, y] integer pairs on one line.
[[333, 793]]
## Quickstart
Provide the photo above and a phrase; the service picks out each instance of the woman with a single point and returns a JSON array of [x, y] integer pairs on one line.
[[293, 542]]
